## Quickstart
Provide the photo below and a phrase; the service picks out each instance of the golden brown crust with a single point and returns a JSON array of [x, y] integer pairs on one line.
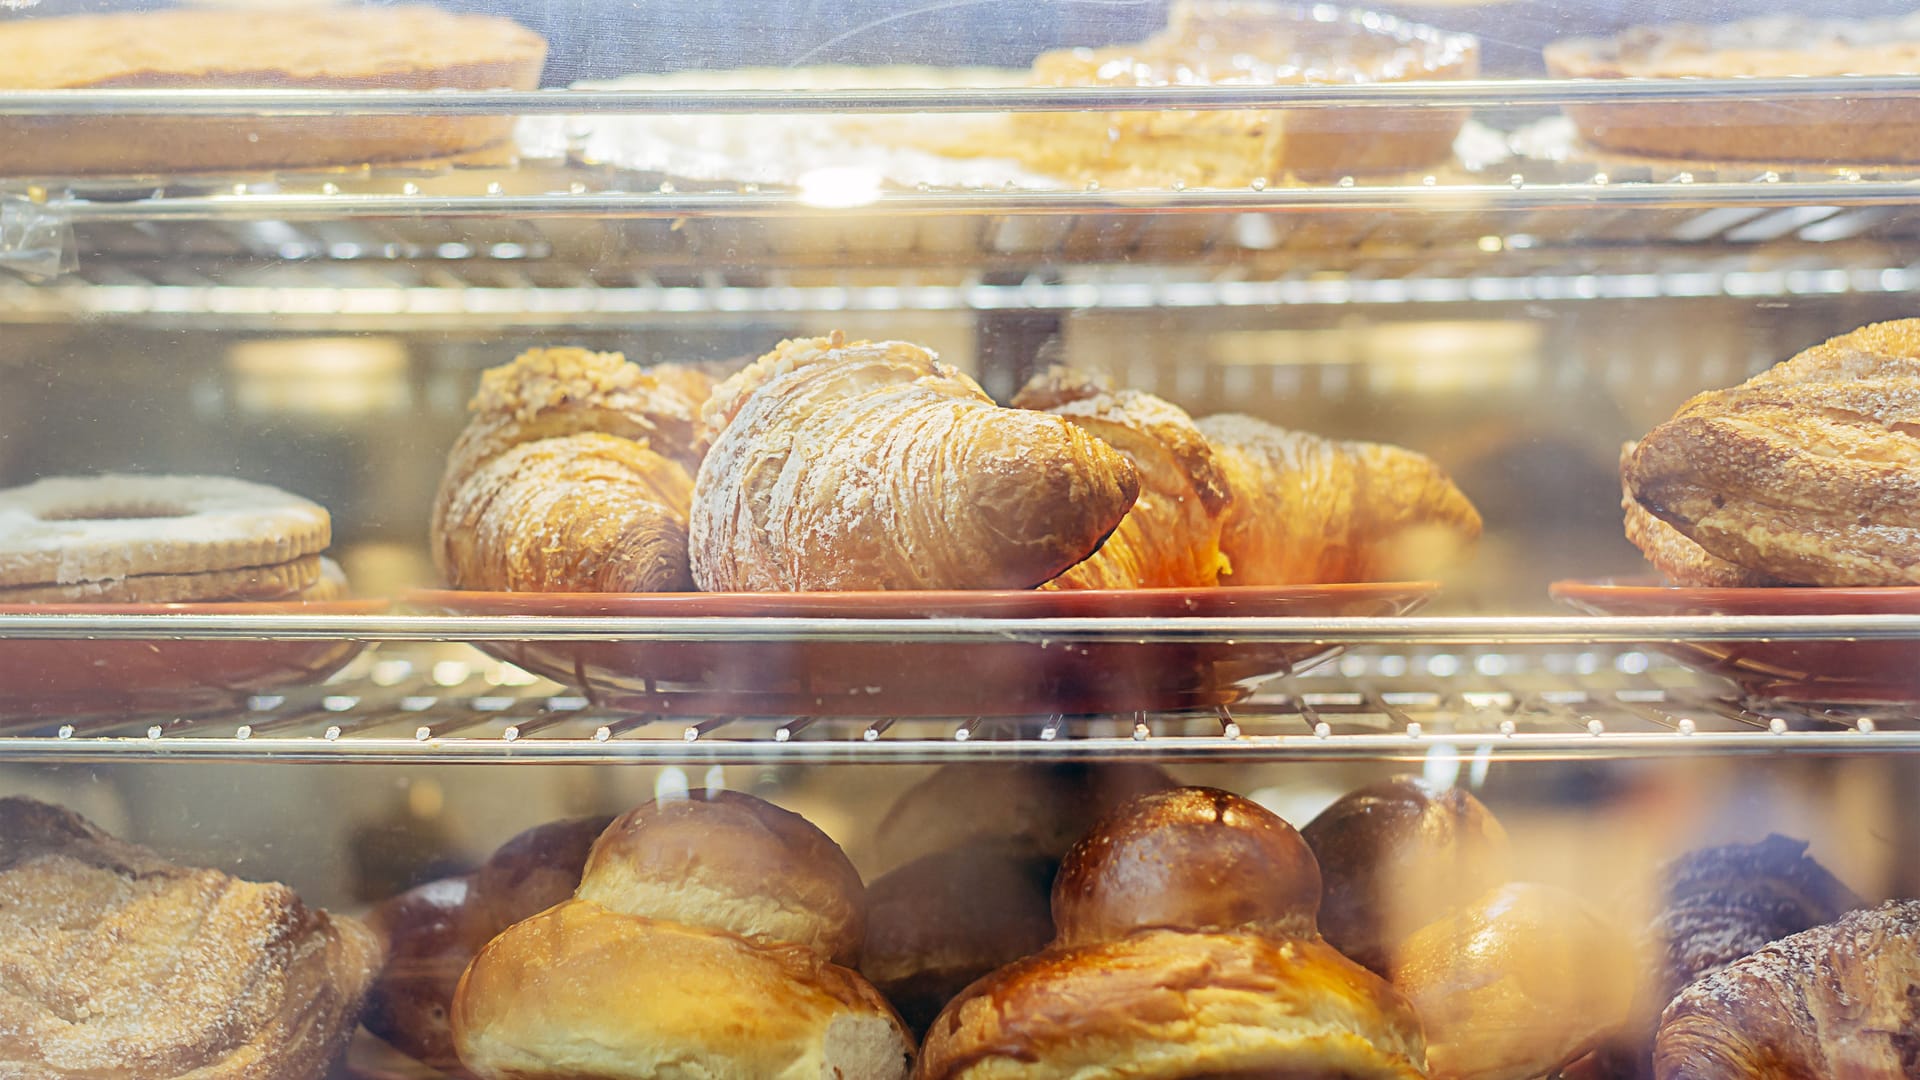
[[1840, 1000], [1396, 855], [942, 921], [1192, 859], [406, 47], [1524, 980], [1167, 1005], [1027, 809], [1806, 473], [1680, 560], [574, 476], [1309, 510], [1731, 129], [729, 861], [1171, 536], [579, 991], [122, 964], [872, 465]]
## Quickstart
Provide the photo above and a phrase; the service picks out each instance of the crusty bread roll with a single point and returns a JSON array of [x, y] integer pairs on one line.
[[1310, 510], [1521, 982], [1840, 1000], [942, 921], [1395, 856], [1193, 859], [1806, 473], [1021, 807], [1717, 905], [1177, 959], [575, 475], [872, 465], [120, 964], [674, 959], [433, 931], [1171, 537]]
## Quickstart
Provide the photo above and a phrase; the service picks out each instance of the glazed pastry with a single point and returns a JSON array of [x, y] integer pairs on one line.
[[942, 921], [1840, 1000], [119, 963], [573, 476], [1734, 127], [1309, 510], [1806, 473], [432, 932], [703, 940], [1171, 537], [872, 465], [1397, 855], [1027, 809], [1517, 984], [1185, 949], [1720, 904]]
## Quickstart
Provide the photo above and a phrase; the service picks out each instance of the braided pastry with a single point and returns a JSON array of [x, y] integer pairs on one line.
[[1171, 537], [575, 475], [872, 465], [1807, 473], [1310, 510], [1840, 1000]]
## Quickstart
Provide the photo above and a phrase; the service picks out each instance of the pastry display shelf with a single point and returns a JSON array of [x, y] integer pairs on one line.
[[411, 706]]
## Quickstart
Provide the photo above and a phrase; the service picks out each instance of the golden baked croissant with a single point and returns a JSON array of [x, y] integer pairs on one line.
[[707, 939], [1312, 510], [120, 964], [1840, 1000], [575, 475], [872, 465], [1171, 537], [1808, 473]]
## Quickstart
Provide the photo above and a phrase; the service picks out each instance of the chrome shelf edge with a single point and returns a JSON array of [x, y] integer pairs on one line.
[[1674, 194], [1435, 93], [1484, 630], [1245, 748]]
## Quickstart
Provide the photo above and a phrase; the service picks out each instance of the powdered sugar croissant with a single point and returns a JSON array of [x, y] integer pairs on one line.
[[575, 475], [872, 465], [1171, 537]]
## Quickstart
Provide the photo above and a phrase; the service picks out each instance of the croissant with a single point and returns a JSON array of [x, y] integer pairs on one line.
[[874, 466], [1679, 559], [1840, 1000], [575, 475], [1808, 473], [1171, 537], [1312, 510]]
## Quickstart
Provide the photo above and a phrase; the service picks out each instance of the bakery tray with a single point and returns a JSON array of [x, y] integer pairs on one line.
[[423, 705]]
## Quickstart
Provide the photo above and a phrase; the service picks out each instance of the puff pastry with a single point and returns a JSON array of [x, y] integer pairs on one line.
[[573, 476], [1808, 474], [1171, 537], [1311, 510], [872, 465]]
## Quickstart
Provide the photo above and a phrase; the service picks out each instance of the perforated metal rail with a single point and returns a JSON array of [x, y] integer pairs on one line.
[[442, 705]]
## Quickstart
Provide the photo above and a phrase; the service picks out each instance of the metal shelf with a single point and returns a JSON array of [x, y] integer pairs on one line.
[[398, 707]]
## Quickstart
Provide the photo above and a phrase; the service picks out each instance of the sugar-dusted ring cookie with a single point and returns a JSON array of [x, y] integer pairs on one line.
[[282, 581], [74, 530]]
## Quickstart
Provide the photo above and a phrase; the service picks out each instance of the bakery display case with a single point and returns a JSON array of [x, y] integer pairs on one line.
[[1223, 537]]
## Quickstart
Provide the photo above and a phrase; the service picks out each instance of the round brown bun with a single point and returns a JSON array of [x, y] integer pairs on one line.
[[1196, 859], [728, 861], [1516, 984], [940, 922], [1030, 808], [1397, 855], [533, 871], [428, 937], [583, 992], [1165, 1004]]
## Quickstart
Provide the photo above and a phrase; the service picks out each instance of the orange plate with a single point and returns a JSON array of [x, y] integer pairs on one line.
[[1807, 671], [908, 678], [160, 674]]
